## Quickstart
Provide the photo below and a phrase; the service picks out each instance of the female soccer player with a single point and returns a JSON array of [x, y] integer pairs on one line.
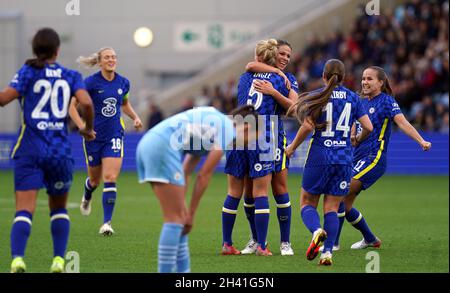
[[42, 154], [109, 91], [258, 163], [370, 157], [330, 112], [279, 177], [203, 131]]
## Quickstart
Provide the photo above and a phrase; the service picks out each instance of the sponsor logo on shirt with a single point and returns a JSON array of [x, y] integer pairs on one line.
[[335, 143], [44, 125], [372, 110], [343, 185]]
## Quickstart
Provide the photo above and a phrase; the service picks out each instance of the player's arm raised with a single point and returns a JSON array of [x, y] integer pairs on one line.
[[7, 96], [201, 183], [410, 131], [85, 101], [128, 109]]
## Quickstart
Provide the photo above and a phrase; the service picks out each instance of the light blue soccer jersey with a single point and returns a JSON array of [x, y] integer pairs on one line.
[[160, 152], [44, 98], [195, 131], [381, 110], [107, 97]]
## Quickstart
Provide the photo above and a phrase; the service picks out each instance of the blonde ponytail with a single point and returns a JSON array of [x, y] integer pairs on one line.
[[93, 59]]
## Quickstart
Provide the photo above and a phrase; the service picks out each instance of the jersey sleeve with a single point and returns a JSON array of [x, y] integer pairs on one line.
[[393, 107], [77, 83], [360, 108], [126, 89], [294, 83], [21, 80]]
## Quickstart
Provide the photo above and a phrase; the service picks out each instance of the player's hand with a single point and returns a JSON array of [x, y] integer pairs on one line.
[[188, 225], [137, 123], [426, 145], [88, 134], [263, 86], [289, 151]]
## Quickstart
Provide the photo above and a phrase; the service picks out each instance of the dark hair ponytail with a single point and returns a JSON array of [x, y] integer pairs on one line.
[[45, 46], [381, 75], [310, 104]]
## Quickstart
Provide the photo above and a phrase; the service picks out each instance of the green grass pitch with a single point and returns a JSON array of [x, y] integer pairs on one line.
[[409, 213]]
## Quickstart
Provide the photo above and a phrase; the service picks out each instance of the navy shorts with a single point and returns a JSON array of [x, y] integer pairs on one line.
[[368, 170], [281, 160], [55, 174], [327, 179], [247, 162], [95, 151]]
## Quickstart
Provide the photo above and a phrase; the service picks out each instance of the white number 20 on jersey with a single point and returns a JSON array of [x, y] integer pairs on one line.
[[52, 95]]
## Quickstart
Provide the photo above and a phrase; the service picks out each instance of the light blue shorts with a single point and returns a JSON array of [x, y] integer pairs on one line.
[[157, 161]]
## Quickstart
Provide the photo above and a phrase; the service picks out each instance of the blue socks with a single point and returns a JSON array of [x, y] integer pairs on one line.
[[88, 189], [169, 241], [229, 211], [249, 208], [20, 232], [310, 218], [109, 199], [355, 218], [262, 213], [60, 227], [341, 218], [183, 259], [330, 225], [284, 212]]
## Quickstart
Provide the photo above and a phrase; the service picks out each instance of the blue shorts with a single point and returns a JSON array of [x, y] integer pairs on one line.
[[368, 170], [281, 160], [247, 162], [95, 151], [157, 161], [55, 174], [328, 179]]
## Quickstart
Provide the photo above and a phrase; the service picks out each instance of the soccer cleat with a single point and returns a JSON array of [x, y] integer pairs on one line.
[[18, 265], [85, 207], [261, 252], [363, 244], [317, 240], [335, 248], [229, 250], [286, 249], [57, 265], [250, 248], [106, 229], [326, 259]]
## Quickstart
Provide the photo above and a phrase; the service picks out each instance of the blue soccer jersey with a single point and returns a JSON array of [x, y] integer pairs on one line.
[[44, 98], [331, 146], [107, 97], [381, 110]]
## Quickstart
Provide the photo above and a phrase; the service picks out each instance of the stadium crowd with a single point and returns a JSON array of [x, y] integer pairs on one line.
[[394, 40]]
